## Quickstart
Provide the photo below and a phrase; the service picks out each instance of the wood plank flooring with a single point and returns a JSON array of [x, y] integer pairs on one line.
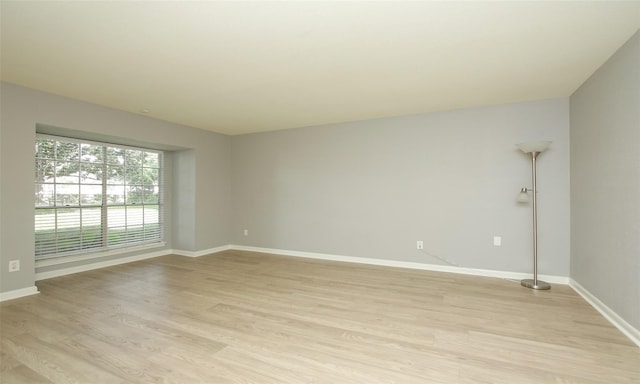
[[242, 317]]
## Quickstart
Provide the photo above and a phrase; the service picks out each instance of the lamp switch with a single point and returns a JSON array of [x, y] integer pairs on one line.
[[497, 241], [419, 244]]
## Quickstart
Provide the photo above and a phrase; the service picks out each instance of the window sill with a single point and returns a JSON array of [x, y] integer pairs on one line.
[[97, 255]]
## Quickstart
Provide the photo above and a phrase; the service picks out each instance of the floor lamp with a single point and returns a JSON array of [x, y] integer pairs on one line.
[[533, 148]]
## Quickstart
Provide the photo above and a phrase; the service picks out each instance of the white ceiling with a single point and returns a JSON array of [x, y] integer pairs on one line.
[[239, 67]]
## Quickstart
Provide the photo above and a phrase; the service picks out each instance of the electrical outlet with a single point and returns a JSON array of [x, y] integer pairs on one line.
[[419, 244], [246, 232], [14, 265], [497, 241]]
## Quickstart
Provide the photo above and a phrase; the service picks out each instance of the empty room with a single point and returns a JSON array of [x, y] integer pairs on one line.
[[320, 192]]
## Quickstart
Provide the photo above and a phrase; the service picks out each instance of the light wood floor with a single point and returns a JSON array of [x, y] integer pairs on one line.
[[240, 317]]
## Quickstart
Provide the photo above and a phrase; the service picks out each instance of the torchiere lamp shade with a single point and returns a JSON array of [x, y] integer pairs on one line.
[[534, 146]]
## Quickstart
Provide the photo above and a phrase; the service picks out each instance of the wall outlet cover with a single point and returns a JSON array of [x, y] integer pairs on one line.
[[14, 265]]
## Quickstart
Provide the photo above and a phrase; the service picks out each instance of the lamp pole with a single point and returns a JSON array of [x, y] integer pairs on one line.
[[535, 283]]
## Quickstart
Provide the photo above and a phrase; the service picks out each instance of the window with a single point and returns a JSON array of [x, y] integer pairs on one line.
[[92, 196]]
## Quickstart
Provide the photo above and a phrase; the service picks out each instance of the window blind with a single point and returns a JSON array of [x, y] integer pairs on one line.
[[92, 196]]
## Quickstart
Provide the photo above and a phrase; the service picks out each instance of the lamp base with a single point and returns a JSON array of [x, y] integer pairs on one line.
[[530, 283]]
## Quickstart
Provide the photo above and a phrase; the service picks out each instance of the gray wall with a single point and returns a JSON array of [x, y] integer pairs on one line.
[[605, 183], [373, 188], [184, 213], [198, 176]]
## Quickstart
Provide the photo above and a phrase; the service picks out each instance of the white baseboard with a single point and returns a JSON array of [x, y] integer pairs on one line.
[[322, 256], [406, 264], [200, 253], [627, 329], [17, 293], [100, 264]]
